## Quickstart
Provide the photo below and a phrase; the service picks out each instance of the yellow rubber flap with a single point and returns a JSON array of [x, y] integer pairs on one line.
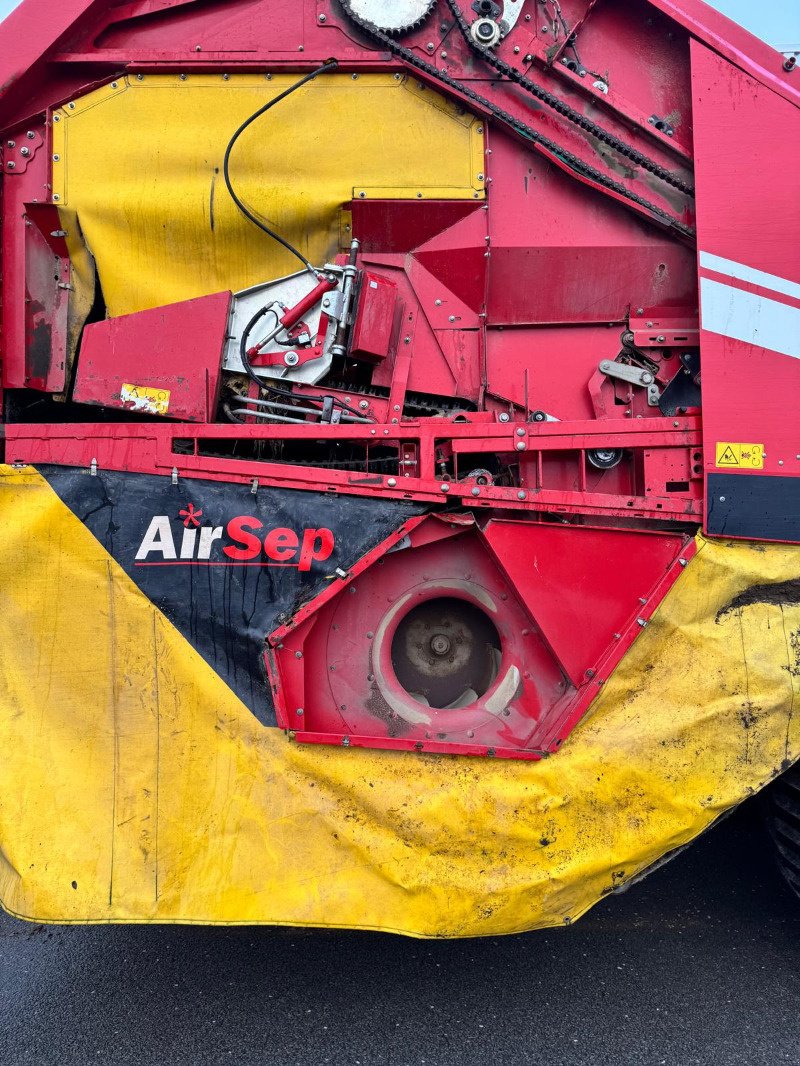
[[134, 786], [140, 163]]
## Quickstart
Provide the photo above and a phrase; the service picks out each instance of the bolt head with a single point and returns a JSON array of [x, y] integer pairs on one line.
[[521, 445], [504, 416], [476, 491], [30, 135], [391, 482], [323, 18], [521, 495], [444, 487], [521, 432], [440, 645]]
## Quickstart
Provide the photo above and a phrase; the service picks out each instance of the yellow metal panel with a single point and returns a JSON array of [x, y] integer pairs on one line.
[[139, 162], [135, 786]]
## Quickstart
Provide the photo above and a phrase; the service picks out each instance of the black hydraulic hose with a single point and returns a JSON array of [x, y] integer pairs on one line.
[[248, 329], [331, 64], [231, 415], [248, 366]]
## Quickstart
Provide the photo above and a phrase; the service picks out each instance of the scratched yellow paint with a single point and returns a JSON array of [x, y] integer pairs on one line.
[[138, 166], [145, 398], [134, 786]]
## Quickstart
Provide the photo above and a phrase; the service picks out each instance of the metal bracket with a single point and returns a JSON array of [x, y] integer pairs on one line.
[[512, 9], [657, 331], [20, 150], [333, 304], [633, 375]]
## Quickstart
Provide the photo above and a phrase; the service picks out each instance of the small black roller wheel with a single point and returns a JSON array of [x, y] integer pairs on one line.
[[783, 819]]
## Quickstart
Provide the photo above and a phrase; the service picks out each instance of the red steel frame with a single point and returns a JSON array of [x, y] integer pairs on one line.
[[150, 449], [568, 715]]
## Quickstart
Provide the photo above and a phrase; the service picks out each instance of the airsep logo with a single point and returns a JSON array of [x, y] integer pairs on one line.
[[244, 541]]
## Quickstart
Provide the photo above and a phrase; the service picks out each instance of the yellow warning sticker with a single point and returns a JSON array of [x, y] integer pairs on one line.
[[143, 398], [740, 456]]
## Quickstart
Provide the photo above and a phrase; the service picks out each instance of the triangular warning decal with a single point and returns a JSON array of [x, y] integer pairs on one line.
[[728, 458]]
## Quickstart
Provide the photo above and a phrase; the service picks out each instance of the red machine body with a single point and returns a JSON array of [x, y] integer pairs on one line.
[[553, 384], [150, 349]]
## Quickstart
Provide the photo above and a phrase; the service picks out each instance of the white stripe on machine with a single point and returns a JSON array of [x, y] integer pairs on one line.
[[747, 317], [750, 274]]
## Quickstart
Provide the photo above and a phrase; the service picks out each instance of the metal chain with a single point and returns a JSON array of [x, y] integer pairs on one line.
[[519, 127], [414, 401], [564, 109]]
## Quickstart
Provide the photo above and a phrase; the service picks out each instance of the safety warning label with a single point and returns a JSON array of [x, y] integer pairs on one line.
[[145, 399], [741, 456]]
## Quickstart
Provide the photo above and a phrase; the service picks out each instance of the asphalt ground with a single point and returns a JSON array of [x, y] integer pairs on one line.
[[700, 963]]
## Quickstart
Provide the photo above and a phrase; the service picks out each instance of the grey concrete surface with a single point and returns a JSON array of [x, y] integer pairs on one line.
[[698, 964]]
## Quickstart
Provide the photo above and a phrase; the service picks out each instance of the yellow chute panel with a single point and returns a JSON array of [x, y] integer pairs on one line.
[[140, 163], [134, 786]]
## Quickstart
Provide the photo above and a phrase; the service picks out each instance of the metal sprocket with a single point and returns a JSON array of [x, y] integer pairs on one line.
[[390, 16]]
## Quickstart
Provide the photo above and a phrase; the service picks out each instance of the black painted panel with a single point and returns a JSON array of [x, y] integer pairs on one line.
[[224, 609], [756, 506]]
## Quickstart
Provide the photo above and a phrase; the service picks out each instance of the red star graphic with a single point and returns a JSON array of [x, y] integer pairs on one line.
[[190, 516]]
